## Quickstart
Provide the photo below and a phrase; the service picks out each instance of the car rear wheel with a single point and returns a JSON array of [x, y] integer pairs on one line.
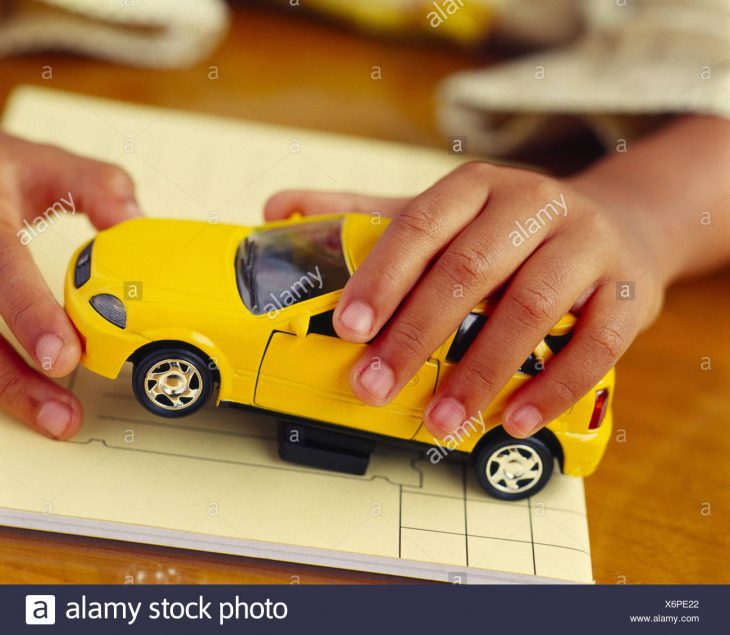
[[172, 382], [513, 469]]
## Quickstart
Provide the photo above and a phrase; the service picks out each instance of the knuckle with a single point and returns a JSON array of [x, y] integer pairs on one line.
[[18, 303], [543, 188], [477, 169], [479, 377], [11, 386], [18, 310], [387, 275], [565, 392], [8, 255], [419, 223], [595, 227], [533, 304], [608, 342], [466, 264], [21, 301], [408, 338]]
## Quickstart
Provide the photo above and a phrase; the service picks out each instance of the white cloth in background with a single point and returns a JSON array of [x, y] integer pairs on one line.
[[148, 33], [636, 59]]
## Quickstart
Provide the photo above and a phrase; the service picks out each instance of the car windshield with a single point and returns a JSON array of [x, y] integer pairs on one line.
[[276, 268]]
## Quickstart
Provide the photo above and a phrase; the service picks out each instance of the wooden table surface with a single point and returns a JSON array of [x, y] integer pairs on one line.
[[659, 506]]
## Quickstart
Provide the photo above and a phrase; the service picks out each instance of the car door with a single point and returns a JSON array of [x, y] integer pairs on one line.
[[307, 375]]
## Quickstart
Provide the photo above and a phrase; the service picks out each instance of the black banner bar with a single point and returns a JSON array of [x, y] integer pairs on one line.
[[370, 610]]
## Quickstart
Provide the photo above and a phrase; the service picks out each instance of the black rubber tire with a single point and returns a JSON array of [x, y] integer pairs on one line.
[[483, 454], [142, 366]]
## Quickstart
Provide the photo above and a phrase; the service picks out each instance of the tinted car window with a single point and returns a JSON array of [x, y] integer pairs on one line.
[[466, 334], [532, 365], [557, 343], [277, 268]]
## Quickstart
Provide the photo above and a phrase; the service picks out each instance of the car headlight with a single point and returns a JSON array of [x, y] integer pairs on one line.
[[82, 272], [110, 308]]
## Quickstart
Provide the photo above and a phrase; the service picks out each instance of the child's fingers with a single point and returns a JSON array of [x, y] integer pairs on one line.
[[35, 400], [310, 203], [105, 192], [476, 262], [601, 336], [51, 176], [414, 237], [28, 307], [541, 293]]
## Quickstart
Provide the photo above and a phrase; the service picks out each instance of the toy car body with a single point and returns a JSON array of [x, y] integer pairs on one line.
[[195, 305]]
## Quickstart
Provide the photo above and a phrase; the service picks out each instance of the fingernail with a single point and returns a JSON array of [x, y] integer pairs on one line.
[[377, 379], [447, 415], [358, 317], [524, 421], [54, 417], [47, 350]]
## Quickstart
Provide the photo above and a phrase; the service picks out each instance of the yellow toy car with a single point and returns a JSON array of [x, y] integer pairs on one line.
[[197, 306]]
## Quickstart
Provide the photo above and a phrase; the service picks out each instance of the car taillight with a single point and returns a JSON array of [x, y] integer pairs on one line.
[[599, 409]]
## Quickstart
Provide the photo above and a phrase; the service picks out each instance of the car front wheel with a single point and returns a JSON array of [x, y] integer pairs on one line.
[[172, 382], [513, 469]]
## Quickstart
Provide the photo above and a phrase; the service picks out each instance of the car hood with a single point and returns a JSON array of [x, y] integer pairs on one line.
[[189, 262], [175, 261]]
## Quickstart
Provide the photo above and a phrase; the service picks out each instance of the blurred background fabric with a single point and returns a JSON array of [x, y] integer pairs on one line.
[[614, 69], [638, 62], [147, 33], [169, 33]]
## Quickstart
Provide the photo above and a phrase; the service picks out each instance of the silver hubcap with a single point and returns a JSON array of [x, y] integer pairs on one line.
[[173, 384], [514, 469]]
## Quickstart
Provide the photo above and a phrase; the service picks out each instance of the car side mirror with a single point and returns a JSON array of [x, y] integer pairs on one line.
[[300, 324]]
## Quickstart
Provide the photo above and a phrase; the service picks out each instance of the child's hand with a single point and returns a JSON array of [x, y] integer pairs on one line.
[[32, 179], [553, 247]]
